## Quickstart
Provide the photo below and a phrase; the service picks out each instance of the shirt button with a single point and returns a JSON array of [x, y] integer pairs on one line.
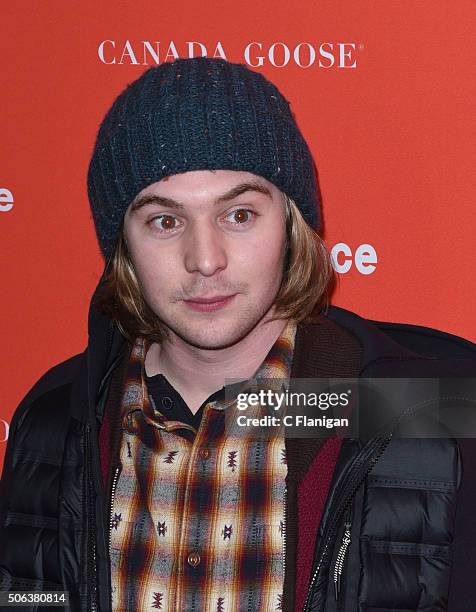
[[204, 453], [167, 402], [193, 559]]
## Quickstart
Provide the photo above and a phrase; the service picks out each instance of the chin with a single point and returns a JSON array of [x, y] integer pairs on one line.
[[219, 331], [213, 338], [215, 333]]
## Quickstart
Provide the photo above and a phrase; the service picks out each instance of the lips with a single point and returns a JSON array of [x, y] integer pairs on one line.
[[210, 300], [209, 304]]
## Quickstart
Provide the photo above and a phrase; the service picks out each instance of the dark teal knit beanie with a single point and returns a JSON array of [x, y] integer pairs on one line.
[[196, 114]]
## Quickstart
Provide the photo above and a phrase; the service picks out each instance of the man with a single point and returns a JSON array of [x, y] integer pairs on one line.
[[120, 482]]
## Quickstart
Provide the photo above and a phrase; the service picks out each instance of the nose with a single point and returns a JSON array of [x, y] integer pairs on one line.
[[204, 249]]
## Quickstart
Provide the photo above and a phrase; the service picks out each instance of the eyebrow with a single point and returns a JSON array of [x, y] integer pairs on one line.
[[234, 192]]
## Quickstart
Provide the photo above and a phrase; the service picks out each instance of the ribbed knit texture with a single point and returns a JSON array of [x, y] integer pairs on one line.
[[196, 114], [322, 350], [312, 495]]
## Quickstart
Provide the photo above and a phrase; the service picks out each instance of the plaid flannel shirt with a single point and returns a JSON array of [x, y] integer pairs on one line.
[[197, 521]]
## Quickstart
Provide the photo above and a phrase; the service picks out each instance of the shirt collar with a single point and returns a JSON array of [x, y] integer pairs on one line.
[[276, 365]]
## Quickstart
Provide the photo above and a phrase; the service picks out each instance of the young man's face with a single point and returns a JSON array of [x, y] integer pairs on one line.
[[204, 236]]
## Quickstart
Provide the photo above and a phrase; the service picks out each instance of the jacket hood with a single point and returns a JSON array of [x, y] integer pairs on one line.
[[105, 347], [401, 349]]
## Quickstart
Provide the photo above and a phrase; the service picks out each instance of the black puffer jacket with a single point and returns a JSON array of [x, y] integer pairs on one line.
[[408, 504]]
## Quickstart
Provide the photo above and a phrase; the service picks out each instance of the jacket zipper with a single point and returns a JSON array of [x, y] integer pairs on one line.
[[91, 571], [115, 478], [377, 449], [117, 471], [284, 532], [91, 597], [339, 564]]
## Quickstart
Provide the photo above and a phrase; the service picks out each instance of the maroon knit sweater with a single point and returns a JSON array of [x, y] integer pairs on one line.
[[312, 496]]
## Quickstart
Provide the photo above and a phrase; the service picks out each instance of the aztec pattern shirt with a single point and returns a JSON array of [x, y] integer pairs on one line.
[[197, 516]]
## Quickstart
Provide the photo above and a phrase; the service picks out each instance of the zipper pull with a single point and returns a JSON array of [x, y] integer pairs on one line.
[[339, 564]]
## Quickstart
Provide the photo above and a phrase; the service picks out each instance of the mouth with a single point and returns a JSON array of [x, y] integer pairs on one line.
[[209, 304]]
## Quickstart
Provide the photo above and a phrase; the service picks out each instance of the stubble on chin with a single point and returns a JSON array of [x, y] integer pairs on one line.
[[214, 333]]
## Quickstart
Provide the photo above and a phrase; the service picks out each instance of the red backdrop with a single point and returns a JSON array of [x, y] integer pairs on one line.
[[383, 91]]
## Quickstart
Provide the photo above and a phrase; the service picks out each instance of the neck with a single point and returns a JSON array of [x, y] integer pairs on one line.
[[197, 373]]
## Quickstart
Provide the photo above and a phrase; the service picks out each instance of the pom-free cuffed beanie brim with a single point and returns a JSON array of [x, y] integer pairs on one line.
[[196, 114]]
